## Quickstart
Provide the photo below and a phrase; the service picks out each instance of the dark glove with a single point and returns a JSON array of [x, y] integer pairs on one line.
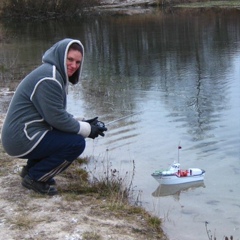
[[97, 130], [92, 121]]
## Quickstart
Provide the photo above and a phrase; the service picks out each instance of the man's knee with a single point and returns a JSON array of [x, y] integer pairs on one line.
[[78, 146]]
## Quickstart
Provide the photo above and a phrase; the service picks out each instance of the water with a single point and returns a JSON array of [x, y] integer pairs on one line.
[[177, 78]]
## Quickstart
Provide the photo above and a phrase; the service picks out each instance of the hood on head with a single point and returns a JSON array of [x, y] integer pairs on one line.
[[57, 56]]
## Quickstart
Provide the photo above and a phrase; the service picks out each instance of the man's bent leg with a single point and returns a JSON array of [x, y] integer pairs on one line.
[[55, 153]]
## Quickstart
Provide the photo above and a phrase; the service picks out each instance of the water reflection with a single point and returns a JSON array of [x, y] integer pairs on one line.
[[171, 55], [177, 55], [176, 189]]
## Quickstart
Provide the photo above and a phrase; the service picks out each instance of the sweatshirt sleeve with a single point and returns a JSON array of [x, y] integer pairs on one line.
[[48, 98]]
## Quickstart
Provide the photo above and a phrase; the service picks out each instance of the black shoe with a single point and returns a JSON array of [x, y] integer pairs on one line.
[[40, 187], [25, 170]]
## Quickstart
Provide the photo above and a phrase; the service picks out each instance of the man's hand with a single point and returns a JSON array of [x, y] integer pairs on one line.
[[92, 121], [97, 127], [96, 131]]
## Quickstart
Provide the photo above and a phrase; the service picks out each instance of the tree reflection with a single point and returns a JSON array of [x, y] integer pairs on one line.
[[179, 55]]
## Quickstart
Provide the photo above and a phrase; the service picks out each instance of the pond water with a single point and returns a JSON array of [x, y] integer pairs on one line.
[[168, 79]]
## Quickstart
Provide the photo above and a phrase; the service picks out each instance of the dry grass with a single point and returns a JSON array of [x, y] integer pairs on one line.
[[22, 221], [211, 4], [91, 236]]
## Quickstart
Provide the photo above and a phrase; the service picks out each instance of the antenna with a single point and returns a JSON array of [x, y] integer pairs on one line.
[[179, 147], [119, 119]]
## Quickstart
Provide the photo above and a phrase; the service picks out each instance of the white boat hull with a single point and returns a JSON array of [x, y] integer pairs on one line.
[[176, 178]]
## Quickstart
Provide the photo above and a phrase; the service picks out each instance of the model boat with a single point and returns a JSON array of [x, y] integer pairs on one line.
[[175, 175]]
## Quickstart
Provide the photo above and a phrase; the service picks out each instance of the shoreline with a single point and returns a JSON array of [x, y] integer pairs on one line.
[[141, 7], [133, 7], [76, 213]]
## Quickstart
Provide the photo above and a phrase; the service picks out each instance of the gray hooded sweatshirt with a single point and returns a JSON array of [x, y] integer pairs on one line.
[[39, 103]]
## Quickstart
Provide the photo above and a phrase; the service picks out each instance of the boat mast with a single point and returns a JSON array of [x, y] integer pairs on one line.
[[179, 147]]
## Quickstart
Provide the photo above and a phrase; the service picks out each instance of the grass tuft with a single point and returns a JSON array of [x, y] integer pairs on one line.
[[91, 236], [22, 221]]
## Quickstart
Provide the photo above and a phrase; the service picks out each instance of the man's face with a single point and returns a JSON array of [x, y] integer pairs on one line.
[[74, 59]]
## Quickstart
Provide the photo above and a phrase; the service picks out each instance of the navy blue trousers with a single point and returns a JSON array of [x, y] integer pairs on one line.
[[56, 151]]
